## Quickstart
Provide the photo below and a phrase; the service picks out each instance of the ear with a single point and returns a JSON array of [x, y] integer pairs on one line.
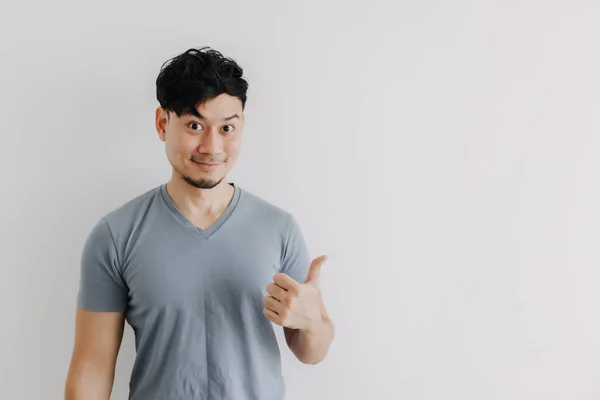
[[161, 120]]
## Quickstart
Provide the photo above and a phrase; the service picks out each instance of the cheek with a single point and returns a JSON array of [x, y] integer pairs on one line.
[[232, 148], [181, 146]]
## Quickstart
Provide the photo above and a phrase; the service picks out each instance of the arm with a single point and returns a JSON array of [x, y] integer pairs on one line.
[[99, 320], [295, 300], [98, 338]]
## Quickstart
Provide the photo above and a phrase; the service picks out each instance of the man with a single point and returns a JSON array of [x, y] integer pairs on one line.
[[198, 267]]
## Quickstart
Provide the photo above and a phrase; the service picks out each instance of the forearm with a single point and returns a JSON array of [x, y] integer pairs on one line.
[[312, 345], [88, 385]]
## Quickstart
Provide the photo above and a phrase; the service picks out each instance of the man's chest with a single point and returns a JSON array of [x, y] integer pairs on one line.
[[164, 274]]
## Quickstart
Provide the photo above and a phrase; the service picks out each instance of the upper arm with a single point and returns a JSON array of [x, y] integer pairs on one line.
[[101, 285], [100, 317], [295, 260], [98, 337]]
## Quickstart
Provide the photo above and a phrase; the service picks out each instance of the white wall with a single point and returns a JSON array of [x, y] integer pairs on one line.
[[444, 154]]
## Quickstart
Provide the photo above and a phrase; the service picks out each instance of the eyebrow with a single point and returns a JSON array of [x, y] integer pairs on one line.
[[195, 113]]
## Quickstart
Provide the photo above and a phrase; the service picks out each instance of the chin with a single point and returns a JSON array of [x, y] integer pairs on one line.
[[203, 183]]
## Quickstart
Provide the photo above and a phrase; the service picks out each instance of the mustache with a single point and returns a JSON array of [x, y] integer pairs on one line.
[[210, 159]]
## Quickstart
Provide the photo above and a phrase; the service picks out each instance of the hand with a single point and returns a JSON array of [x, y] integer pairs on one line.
[[293, 304]]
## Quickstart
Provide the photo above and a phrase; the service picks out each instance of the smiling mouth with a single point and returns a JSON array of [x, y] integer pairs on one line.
[[206, 166]]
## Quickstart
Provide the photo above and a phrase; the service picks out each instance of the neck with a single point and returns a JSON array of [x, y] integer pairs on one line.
[[195, 202]]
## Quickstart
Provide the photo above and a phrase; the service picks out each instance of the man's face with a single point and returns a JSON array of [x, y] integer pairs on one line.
[[203, 148]]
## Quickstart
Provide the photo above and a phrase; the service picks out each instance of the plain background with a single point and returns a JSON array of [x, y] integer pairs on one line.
[[444, 154]]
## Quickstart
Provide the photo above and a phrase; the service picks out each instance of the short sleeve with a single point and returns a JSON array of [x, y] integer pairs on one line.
[[295, 257], [101, 286]]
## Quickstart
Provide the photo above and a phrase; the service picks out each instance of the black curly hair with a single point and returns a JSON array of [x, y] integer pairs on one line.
[[195, 76]]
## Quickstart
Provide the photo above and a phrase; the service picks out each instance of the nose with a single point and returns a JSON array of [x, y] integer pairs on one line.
[[211, 142]]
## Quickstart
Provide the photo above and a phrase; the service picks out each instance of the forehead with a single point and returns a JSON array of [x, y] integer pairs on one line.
[[217, 108]]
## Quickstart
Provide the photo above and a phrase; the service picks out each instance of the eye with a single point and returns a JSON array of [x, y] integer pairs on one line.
[[231, 128], [195, 126]]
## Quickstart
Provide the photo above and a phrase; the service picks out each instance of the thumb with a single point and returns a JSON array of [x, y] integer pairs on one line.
[[314, 272]]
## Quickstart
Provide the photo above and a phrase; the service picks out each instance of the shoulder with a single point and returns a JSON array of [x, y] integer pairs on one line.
[[267, 216], [264, 210], [128, 216]]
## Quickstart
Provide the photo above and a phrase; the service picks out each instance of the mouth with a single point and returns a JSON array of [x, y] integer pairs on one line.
[[206, 166]]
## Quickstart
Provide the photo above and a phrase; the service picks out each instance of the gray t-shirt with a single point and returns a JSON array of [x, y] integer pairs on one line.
[[193, 297]]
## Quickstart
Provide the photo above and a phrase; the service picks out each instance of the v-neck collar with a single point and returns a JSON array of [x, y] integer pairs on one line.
[[204, 233]]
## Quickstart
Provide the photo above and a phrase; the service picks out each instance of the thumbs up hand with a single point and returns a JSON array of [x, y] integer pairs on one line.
[[293, 304]]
